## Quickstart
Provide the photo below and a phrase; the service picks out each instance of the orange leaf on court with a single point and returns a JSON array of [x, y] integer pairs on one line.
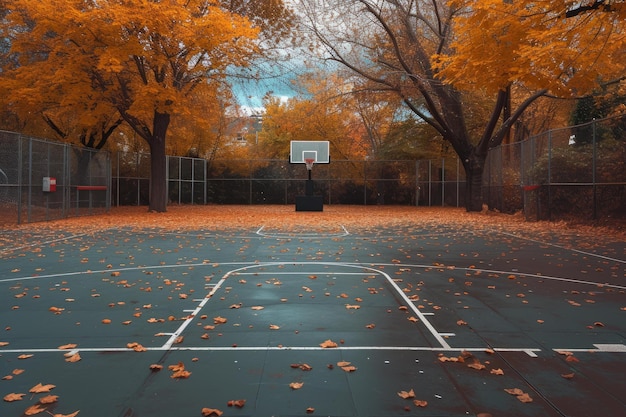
[[74, 414], [73, 358], [68, 346], [296, 385], [25, 356], [420, 403], [237, 403], [407, 394], [34, 409], [13, 397], [328, 344], [208, 412], [49, 399], [39, 388]]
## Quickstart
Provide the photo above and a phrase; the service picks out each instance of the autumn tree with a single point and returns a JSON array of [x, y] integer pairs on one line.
[[146, 59], [439, 57]]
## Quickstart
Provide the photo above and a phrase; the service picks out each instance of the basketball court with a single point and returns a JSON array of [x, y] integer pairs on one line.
[[377, 315]]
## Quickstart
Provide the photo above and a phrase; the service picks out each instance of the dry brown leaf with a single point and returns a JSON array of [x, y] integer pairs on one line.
[[310, 410], [568, 376], [25, 356], [74, 414], [68, 346], [420, 403], [4, 344], [237, 403], [207, 412], [296, 385], [219, 320], [13, 397], [497, 371], [155, 367], [328, 344], [49, 399], [352, 306], [274, 327], [257, 307], [34, 409], [39, 388], [407, 394], [73, 358], [370, 326]]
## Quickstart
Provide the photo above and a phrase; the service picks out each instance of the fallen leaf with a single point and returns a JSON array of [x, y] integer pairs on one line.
[[219, 320], [49, 399], [68, 346], [296, 385], [257, 307], [73, 358], [74, 414], [39, 388], [328, 344], [237, 403], [155, 367], [420, 403], [25, 356], [34, 409], [310, 410], [274, 327], [407, 394], [497, 371], [568, 376], [207, 412], [13, 397]]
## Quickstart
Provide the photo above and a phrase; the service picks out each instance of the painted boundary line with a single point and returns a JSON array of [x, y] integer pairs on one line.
[[445, 347], [287, 235]]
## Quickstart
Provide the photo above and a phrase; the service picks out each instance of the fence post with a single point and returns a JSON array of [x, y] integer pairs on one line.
[[593, 170], [20, 153]]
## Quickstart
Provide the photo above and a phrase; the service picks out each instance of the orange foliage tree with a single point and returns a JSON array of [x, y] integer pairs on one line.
[[440, 56], [144, 60]]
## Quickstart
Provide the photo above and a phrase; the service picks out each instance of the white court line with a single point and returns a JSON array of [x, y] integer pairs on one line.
[[287, 235], [47, 242], [529, 351], [595, 255]]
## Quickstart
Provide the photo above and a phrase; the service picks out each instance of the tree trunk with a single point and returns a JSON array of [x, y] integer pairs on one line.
[[158, 162], [474, 167]]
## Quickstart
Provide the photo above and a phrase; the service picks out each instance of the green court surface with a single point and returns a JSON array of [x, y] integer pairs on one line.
[[335, 320]]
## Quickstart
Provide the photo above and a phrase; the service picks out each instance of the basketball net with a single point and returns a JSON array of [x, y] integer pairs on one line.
[[309, 163]]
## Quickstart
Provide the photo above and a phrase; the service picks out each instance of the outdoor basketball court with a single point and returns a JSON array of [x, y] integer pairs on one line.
[[321, 318]]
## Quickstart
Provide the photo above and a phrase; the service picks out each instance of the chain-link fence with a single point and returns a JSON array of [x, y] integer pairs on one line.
[[574, 172], [41, 180], [271, 181], [578, 171]]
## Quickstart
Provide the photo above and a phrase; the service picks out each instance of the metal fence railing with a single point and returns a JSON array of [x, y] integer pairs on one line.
[[578, 172], [42, 180]]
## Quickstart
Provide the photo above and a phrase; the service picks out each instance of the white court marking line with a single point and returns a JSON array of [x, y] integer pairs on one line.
[[47, 242], [529, 351], [495, 271], [302, 235], [401, 293], [595, 255], [600, 347]]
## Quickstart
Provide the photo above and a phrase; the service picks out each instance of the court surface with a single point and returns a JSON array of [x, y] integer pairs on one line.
[[347, 312]]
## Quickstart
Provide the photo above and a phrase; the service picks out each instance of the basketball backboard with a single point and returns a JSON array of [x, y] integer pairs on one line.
[[300, 150]]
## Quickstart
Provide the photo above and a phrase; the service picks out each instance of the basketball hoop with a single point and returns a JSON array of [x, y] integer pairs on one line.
[[309, 163]]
